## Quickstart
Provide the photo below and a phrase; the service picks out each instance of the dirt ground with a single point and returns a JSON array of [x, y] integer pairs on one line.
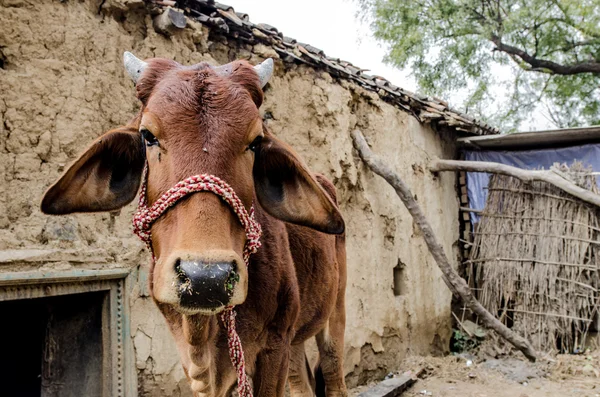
[[465, 376]]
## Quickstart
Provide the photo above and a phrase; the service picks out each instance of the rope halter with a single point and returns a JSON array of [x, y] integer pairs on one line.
[[145, 216]]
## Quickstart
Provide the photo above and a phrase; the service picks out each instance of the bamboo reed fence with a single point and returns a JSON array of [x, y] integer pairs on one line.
[[535, 261]]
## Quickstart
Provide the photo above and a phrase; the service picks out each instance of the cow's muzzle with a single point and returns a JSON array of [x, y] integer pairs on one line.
[[200, 282], [205, 285]]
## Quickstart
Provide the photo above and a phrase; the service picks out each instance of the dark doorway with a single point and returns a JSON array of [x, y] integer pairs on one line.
[[51, 347]]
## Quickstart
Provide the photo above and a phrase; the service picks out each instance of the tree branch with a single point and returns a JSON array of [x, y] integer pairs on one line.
[[455, 283], [572, 46], [543, 65], [548, 176]]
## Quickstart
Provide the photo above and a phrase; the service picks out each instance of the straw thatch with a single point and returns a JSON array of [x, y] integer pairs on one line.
[[535, 260]]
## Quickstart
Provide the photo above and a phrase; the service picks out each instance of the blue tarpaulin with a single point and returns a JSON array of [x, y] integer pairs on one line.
[[477, 182]]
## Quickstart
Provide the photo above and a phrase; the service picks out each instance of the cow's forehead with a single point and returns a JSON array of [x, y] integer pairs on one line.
[[223, 112], [170, 82], [190, 86], [182, 85], [203, 101]]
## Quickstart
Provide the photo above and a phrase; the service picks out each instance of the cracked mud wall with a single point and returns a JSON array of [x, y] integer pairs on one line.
[[62, 84]]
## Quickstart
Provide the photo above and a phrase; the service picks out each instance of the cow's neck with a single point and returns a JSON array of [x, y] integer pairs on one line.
[[198, 329], [202, 340]]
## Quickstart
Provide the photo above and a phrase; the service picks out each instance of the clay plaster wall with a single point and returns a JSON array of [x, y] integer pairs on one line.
[[62, 84]]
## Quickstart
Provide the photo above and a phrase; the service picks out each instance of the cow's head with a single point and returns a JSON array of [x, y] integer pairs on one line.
[[196, 120]]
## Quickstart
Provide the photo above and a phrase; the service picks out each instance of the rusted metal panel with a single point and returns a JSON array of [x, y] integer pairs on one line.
[[117, 339], [118, 376], [72, 358]]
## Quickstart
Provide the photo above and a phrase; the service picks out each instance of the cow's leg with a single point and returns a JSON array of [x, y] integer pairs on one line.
[[331, 352], [271, 371], [300, 377]]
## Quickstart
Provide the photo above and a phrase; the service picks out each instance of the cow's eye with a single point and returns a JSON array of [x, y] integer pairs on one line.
[[255, 145], [148, 137]]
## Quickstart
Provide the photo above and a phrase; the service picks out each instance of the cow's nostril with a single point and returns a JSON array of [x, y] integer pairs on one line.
[[206, 285]]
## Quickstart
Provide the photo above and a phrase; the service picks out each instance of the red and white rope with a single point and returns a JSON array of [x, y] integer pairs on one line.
[[145, 216]]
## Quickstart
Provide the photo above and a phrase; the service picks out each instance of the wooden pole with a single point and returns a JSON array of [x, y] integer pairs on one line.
[[548, 176], [455, 283]]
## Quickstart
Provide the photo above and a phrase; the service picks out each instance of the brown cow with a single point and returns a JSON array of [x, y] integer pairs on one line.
[[205, 120]]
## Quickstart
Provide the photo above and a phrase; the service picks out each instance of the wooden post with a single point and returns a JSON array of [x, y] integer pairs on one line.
[[455, 283]]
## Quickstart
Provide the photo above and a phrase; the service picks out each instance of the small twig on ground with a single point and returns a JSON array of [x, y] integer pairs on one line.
[[461, 325]]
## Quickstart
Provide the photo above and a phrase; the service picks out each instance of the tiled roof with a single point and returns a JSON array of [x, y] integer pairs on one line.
[[237, 25]]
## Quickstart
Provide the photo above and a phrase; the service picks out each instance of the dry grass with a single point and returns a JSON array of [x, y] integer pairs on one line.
[[535, 260]]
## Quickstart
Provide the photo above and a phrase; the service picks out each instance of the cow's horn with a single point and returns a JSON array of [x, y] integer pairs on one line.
[[134, 66], [264, 71]]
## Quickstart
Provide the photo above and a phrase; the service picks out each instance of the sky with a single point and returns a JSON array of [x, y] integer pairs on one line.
[[329, 25], [332, 26]]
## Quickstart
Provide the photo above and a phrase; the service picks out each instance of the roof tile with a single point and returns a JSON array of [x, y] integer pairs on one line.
[[237, 25]]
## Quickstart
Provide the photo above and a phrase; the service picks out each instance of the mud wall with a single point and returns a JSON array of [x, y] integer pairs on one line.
[[62, 84]]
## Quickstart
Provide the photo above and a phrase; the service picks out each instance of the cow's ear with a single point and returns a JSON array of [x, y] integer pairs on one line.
[[287, 190], [104, 178]]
